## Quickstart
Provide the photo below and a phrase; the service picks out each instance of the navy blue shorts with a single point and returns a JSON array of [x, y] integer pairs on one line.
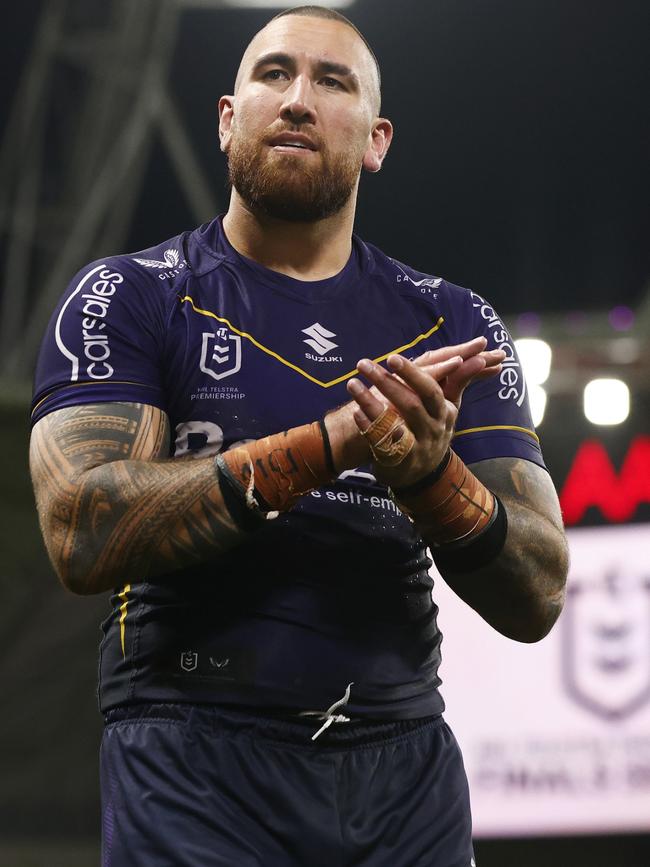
[[187, 786]]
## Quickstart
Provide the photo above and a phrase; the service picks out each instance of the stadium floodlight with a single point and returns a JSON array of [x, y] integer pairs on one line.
[[260, 4], [537, 399], [606, 401], [535, 356]]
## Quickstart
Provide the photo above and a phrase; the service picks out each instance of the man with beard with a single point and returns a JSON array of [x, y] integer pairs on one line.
[[268, 670]]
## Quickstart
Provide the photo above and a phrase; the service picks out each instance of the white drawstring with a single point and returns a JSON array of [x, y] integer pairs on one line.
[[329, 716]]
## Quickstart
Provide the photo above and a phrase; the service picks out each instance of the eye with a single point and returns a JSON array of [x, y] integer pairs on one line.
[[274, 75], [332, 83]]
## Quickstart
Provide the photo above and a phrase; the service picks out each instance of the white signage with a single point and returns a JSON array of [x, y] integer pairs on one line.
[[556, 735]]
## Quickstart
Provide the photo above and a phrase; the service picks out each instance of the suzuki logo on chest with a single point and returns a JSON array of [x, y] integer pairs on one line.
[[220, 353], [319, 340]]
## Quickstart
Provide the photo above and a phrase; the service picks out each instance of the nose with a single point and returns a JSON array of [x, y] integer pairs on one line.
[[297, 106]]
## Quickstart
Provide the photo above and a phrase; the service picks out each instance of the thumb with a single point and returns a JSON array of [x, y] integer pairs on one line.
[[457, 382]]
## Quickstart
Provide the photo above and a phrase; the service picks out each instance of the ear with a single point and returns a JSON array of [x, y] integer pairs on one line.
[[226, 111], [380, 139]]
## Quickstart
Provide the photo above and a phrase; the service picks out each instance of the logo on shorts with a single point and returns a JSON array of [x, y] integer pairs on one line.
[[319, 341], [606, 643], [219, 663], [220, 353], [189, 660]]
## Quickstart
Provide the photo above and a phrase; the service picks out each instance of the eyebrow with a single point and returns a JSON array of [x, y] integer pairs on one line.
[[324, 67]]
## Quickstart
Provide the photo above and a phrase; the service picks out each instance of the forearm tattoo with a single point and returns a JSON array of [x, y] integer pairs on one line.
[[530, 572], [113, 507]]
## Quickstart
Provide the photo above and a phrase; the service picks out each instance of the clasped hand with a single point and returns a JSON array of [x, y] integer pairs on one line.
[[426, 393]]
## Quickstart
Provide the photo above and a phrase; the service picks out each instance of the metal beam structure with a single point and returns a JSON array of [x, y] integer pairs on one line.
[[93, 97]]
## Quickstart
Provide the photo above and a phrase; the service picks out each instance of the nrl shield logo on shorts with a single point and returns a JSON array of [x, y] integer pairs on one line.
[[220, 353], [189, 660], [606, 641]]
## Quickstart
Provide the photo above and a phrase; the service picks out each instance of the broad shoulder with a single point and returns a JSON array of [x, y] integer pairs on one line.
[[164, 265], [410, 280]]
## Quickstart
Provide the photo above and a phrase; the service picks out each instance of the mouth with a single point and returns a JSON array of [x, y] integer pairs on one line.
[[292, 143]]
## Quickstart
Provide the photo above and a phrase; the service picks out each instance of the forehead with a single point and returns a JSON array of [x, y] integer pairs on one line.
[[311, 40]]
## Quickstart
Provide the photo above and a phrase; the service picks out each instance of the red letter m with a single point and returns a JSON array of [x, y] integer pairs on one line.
[[592, 481]]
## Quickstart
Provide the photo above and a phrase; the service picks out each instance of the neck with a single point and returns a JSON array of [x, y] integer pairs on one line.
[[306, 251]]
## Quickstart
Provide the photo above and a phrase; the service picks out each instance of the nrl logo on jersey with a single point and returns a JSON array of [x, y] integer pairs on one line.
[[220, 353], [170, 265]]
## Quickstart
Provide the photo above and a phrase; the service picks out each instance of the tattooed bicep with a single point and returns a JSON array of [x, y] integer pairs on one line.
[[521, 481], [75, 439]]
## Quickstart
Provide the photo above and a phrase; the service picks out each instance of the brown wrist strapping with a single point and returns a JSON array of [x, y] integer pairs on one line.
[[455, 507], [389, 438], [272, 473]]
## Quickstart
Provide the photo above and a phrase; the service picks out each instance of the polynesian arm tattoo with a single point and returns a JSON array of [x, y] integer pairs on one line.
[[113, 507], [521, 592]]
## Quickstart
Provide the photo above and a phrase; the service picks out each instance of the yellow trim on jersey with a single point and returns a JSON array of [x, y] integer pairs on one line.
[[123, 595], [469, 430], [94, 382], [284, 361]]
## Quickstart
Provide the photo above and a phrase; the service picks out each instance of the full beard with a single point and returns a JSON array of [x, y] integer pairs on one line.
[[283, 187]]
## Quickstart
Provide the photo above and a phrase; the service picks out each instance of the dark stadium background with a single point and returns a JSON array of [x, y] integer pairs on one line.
[[519, 168]]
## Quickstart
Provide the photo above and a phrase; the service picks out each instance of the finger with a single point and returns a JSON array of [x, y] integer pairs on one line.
[[406, 401], [493, 357], [472, 366], [366, 401], [361, 419], [424, 399], [450, 419], [458, 381], [488, 372], [482, 366], [421, 382], [438, 370], [465, 350], [472, 371]]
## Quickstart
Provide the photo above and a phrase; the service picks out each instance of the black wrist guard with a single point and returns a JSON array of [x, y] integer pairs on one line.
[[479, 550]]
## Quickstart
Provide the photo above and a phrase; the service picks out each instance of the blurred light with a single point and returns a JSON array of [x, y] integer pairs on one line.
[[621, 318], [606, 401], [624, 350], [528, 324], [576, 321], [535, 356], [537, 398]]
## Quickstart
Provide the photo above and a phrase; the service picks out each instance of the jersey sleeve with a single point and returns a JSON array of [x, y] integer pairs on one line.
[[494, 419], [103, 342]]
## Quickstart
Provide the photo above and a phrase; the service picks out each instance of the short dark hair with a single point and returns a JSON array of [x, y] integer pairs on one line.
[[332, 15]]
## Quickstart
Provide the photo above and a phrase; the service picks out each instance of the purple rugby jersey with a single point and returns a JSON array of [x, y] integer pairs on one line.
[[335, 591]]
